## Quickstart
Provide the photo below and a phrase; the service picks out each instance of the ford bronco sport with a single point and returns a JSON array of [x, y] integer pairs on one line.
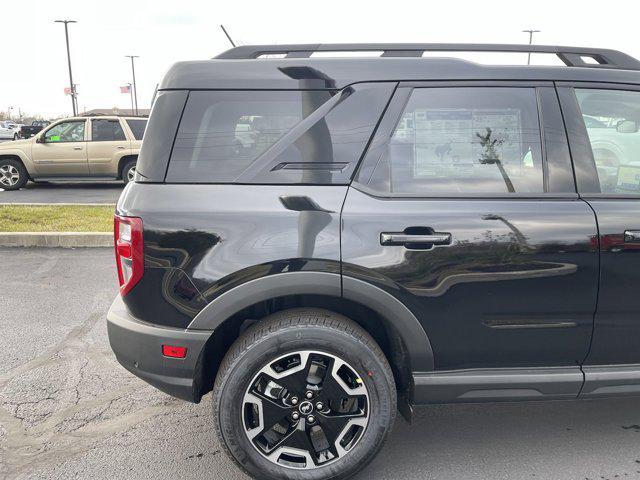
[[324, 241], [79, 148]]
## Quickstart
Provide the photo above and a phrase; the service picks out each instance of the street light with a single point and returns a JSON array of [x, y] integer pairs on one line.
[[530, 32], [135, 88], [73, 87]]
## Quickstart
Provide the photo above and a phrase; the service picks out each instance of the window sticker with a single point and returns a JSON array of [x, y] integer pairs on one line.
[[628, 179], [54, 138], [452, 138]]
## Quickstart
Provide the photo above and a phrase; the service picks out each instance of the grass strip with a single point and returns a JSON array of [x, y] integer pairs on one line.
[[56, 218]]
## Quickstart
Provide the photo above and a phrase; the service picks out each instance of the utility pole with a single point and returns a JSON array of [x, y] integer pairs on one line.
[[73, 87], [131, 94], [530, 32], [135, 88]]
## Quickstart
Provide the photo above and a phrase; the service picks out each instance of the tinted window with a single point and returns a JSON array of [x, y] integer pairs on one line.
[[222, 133], [327, 149], [462, 141], [137, 128], [228, 136], [106, 130], [612, 118], [66, 132], [160, 134]]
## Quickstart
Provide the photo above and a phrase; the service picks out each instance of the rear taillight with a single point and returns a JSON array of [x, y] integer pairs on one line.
[[129, 251]]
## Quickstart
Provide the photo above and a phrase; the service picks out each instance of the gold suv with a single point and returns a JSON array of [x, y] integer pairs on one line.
[[77, 148]]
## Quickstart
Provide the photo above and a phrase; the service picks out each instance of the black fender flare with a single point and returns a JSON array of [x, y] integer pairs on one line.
[[393, 312]]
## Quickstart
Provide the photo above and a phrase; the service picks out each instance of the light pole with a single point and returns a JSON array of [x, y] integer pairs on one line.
[[73, 87], [530, 32], [135, 88]]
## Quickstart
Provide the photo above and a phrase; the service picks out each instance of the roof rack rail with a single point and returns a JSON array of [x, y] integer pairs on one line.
[[571, 56]]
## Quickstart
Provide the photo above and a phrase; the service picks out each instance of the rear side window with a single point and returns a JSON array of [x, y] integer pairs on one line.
[[612, 119], [106, 130], [310, 136], [462, 140], [137, 128]]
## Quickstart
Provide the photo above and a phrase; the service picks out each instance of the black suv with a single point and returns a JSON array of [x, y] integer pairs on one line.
[[324, 241]]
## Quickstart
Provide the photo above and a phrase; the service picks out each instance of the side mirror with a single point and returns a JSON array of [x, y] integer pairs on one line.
[[627, 126], [41, 139]]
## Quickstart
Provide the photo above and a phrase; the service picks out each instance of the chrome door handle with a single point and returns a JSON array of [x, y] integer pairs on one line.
[[409, 239], [77, 148], [632, 236]]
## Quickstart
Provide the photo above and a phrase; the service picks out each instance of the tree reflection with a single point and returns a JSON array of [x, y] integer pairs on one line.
[[490, 156]]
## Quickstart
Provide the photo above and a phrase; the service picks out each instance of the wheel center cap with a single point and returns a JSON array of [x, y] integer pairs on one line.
[[306, 408]]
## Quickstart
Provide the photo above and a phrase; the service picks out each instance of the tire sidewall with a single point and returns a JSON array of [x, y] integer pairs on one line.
[[125, 171], [228, 401], [22, 181]]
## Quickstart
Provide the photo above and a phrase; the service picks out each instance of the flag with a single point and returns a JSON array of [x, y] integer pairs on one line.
[[67, 90], [125, 89]]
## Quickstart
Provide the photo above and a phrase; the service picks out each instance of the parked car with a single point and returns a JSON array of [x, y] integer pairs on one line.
[[28, 131], [77, 148], [9, 130], [323, 241]]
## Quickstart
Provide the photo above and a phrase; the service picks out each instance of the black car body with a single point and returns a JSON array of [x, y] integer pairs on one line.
[[463, 215]]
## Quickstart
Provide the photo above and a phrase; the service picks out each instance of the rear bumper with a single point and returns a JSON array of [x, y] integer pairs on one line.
[[138, 347]]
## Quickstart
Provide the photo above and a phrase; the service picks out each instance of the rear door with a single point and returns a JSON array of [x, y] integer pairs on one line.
[[603, 122], [108, 143], [465, 208]]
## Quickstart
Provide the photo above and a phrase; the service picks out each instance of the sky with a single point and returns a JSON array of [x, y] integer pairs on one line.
[[33, 66]]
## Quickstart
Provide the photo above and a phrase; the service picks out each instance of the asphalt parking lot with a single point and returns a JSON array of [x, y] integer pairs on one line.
[[68, 410], [65, 192]]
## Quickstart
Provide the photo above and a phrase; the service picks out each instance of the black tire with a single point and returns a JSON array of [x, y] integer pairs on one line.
[[16, 137], [7, 168], [126, 170], [292, 331]]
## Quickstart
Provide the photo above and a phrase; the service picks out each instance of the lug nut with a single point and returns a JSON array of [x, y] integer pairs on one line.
[[311, 419], [319, 406], [309, 394], [294, 400], [295, 415]]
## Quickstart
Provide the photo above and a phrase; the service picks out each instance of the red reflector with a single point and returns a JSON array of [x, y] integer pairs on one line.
[[173, 351], [124, 249]]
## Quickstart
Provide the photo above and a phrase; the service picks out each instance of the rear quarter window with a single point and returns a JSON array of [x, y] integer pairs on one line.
[[137, 128], [301, 137]]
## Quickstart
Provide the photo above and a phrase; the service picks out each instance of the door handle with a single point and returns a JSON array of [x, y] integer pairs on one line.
[[120, 147], [77, 148], [401, 238], [632, 236]]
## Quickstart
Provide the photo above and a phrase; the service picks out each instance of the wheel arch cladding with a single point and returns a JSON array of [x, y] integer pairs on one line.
[[390, 322]]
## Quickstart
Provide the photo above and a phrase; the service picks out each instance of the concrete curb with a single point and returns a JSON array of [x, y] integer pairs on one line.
[[56, 239]]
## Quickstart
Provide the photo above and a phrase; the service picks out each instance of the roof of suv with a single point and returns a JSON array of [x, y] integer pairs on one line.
[[245, 68]]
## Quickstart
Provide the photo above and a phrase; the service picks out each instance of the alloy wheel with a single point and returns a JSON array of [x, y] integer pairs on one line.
[[9, 175], [131, 173], [305, 410]]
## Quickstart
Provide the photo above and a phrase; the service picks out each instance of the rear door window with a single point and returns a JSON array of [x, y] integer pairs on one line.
[[106, 131], [462, 141]]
